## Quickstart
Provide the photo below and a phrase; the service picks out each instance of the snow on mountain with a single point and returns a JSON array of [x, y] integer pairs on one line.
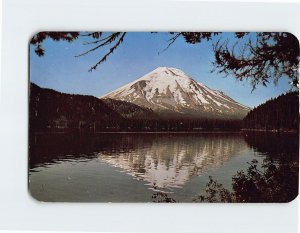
[[170, 91]]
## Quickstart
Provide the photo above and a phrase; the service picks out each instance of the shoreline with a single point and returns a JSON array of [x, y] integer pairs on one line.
[[172, 132], [137, 132], [269, 131]]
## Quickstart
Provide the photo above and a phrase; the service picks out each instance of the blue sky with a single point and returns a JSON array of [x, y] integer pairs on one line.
[[139, 54]]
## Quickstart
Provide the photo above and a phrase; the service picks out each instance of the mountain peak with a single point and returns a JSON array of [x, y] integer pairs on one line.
[[168, 89], [169, 70]]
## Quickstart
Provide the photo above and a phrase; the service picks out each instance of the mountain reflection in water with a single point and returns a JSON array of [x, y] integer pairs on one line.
[[169, 161], [129, 167]]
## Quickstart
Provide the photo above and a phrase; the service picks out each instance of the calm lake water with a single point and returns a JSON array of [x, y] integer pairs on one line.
[[130, 167]]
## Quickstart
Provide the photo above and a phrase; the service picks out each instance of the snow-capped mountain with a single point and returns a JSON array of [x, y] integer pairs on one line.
[[170, 91]]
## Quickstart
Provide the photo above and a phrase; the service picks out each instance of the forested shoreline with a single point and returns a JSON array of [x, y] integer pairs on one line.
[[52, 111], [280, 114]]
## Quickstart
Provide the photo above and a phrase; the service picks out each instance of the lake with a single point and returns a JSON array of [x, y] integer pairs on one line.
[[130, 167]]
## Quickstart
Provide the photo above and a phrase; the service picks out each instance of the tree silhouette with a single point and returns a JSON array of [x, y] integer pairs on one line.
[[38, 39], [259, 57], [279, 114], [273, 182], [271, 55]]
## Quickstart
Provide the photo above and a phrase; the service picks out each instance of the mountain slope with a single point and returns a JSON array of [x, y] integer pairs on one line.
[[129, 110], [170, 92]]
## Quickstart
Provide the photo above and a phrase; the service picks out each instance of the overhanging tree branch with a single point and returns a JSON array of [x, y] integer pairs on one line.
[[108, 40], [111, 50]]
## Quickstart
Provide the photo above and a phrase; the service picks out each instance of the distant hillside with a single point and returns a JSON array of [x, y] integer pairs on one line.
[[129, 110], [50, 109], [280, 114]]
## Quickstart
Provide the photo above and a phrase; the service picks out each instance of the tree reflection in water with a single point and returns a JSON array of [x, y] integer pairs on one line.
[[166, 163], [276, 180]]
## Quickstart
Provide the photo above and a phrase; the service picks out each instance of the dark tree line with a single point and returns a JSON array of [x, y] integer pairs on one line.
[[260, 57], [279, 114], [177, 125], [53, 111], [50, 110], [130, 110]]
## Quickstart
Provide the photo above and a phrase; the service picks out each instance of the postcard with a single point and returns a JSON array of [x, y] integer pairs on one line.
[[161, 117]]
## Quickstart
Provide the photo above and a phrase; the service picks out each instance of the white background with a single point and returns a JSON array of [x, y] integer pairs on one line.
[[23, 18]]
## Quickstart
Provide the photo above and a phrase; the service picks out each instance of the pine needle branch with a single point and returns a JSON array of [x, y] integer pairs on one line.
[[111, 50], [113, 37]]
